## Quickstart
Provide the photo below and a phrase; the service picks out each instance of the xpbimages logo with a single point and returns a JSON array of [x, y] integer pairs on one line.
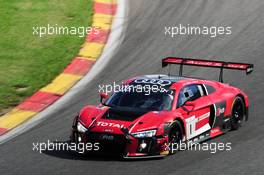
[[193, 146], [80, 31], [147, 89], [211, 31], [65, 146]]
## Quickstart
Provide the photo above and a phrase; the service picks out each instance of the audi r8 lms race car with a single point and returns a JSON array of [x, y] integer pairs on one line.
[[134, 124]]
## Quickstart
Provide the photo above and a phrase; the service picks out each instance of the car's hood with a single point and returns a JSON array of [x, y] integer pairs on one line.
[[112, 120]]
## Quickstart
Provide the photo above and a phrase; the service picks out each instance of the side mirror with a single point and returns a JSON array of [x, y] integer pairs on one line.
[[103, 97], [189, 103], [188, 106], [125, 130]]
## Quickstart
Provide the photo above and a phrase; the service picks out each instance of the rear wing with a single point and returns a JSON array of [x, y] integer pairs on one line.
[[207, 63]]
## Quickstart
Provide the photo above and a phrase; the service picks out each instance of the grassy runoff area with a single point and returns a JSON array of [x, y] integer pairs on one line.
[[28, 62]]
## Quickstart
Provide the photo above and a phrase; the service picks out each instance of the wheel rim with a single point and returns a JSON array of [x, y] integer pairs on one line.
[[238, 113], [175, 136]]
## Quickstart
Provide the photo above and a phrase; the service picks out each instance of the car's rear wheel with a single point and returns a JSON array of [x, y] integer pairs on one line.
[[238, 113], [175, 136]]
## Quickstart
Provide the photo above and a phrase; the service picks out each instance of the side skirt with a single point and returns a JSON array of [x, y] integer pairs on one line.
[[214, 132]]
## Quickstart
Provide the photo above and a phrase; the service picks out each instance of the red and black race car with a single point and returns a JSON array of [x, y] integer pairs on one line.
[[136, 124]]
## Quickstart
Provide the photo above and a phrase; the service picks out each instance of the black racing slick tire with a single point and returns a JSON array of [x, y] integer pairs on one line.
[[238, 113], [175, 136]]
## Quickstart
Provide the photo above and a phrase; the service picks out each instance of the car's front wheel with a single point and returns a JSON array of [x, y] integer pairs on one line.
[[175, 136]]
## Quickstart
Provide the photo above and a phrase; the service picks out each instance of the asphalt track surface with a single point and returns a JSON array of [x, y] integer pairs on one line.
[[144, 46]]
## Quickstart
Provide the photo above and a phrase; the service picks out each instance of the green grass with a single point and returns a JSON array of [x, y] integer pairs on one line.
[[28, 62]]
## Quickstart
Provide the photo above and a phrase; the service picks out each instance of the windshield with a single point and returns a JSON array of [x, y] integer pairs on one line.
[[157, 101]]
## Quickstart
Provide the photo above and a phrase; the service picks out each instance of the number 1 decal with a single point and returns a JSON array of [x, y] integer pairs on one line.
[[191, 126]]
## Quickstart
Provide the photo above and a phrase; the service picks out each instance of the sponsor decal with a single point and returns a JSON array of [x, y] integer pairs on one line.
[[215, 130], [220, 111], [107, 137], [114, 125], [108, 130], [199, 138], [227, 119]]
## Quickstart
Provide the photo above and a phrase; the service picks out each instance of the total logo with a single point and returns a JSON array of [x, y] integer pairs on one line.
[[114, 125]]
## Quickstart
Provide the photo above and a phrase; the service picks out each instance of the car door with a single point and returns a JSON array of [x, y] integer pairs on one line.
[[195, 107]]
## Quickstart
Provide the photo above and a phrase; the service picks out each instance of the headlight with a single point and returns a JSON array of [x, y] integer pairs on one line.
[[81, 128], [144, 134]]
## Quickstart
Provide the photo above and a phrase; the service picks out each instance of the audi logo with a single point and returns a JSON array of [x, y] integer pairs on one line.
[[153, 81]]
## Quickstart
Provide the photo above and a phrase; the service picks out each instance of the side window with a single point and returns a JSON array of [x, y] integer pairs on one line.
[[210, 89], [189, 93]]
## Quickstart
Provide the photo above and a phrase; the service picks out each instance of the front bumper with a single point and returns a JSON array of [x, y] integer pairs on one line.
[[126, 147]]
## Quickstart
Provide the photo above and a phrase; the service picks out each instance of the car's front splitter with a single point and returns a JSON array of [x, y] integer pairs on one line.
[[130, 148]]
